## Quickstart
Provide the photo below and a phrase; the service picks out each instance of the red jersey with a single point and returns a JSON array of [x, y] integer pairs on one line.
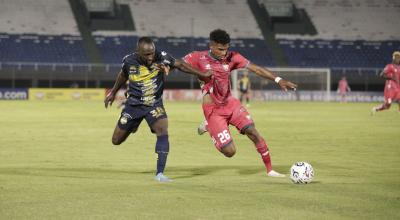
[[218, 85], [392, 71], [343, 86]]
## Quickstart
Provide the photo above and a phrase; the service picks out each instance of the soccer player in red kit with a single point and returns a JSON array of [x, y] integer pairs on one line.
[[220, 108], [391, 74], [343, 88]]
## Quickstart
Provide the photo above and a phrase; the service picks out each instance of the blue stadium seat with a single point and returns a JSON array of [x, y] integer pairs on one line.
[[39, 48], [336, 53]]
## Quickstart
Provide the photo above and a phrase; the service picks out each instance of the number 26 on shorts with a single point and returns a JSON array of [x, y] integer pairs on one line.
[[224, 136]]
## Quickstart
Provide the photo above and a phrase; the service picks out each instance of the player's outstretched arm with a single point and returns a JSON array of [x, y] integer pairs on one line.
[[184, 67], [265, 73], [121, 80]]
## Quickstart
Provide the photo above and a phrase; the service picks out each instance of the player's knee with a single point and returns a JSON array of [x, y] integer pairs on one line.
[[229, 150], [229, 153], [116, 141], [161, 131]]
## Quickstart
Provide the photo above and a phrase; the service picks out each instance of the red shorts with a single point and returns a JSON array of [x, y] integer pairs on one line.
[[391, 94], [220, 117]]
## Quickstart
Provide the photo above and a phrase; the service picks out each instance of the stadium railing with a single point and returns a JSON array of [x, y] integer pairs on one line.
[[91, 75]]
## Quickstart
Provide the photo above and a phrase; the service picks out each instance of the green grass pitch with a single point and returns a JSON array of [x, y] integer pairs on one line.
[[57, 162]]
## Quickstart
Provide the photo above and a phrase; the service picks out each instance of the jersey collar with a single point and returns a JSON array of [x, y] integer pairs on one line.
[[214, 58]]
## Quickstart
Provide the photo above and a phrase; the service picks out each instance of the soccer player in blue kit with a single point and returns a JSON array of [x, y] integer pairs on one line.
[[146, 69]]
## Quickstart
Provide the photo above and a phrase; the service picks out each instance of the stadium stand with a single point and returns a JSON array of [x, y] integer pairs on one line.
[[37, 17], [372, 20], [39, 31], [349, 40], [362, 36], [42, 48], [114, 48], [339, 53], [187, 18]]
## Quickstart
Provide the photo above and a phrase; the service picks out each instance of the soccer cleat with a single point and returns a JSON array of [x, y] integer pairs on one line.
[[161, 178], [273, 173], [373, 111], [202, 128]]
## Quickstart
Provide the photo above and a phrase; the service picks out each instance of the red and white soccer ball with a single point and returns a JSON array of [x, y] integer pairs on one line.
[[301, 172]]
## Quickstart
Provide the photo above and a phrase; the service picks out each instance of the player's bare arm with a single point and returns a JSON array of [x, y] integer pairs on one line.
[[184, 67], [265, 73], [121, 80]]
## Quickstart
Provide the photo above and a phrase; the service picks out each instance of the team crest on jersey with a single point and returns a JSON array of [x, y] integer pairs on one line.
[[124, 118], [225, 66]]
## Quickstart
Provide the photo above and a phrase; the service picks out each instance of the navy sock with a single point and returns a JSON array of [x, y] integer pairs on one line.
[[162, 149]]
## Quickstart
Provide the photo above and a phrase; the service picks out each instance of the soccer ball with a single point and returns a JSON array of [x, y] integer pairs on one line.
[[301, 172]]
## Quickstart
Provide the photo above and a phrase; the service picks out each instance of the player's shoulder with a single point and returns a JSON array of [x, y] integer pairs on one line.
[[389, 65], [235, 55], [388, 68], [197, 53], [195, 56], [129, 58], [162, 53]]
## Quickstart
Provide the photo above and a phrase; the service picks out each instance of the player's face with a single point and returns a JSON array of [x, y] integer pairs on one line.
[[146, 53], [396, 59], [218, 50]]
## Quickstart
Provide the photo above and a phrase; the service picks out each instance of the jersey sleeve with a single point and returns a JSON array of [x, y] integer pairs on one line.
[[167, 59], [191, 59], [125, 68], [239, 61], [388, 70]]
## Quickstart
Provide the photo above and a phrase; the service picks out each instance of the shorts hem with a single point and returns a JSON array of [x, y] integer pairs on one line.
[[245, 127], [225, 145]]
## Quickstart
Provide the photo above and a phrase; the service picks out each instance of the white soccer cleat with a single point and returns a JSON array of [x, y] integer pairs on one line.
[[202, 128], [161, 178], [273, 173], [373, 111]]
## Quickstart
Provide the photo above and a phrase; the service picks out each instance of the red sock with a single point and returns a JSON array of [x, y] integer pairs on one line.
[[262, 148]]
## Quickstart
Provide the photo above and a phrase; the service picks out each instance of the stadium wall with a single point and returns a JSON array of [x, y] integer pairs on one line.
[[75, 94]]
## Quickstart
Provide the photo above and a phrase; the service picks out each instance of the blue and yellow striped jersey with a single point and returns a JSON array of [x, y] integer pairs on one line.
[[146, 83]]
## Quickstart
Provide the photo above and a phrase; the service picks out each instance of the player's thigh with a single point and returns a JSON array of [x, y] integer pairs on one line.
[[157, 120], [219, 131], [241, 118], [128, 123], [119, 135], [160, 127]]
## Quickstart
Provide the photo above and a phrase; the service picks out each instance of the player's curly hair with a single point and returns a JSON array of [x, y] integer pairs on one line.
[[220, 36]]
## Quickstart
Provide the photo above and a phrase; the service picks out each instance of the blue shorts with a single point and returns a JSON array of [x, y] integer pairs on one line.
[[132, 116]]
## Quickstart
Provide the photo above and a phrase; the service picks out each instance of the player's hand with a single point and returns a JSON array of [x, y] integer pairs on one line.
[[285, 85], [163, 68], [109, 99]]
